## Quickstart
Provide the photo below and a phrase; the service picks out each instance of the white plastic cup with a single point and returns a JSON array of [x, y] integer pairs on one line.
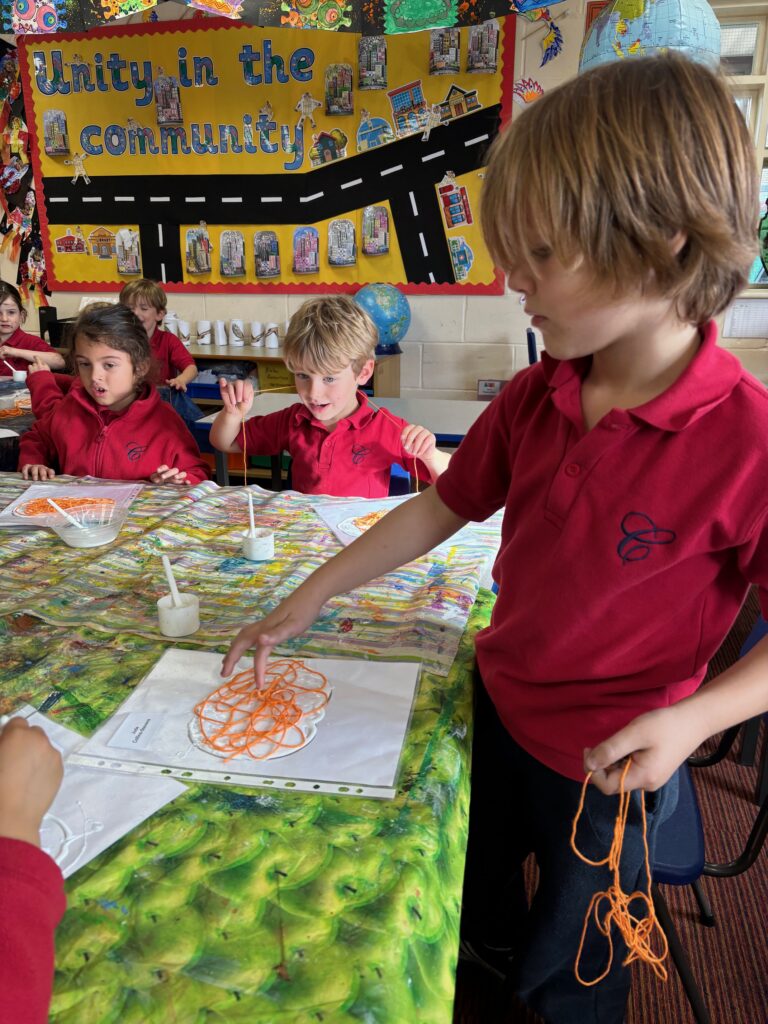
[[219, 332], [184, 331], [272, 338], [181, 620], [19, 376], [257, 333], [260, 547], [236, 332], [203, 332]]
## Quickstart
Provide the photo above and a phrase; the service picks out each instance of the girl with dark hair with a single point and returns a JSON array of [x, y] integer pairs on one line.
[[112, 422], [17, 347]]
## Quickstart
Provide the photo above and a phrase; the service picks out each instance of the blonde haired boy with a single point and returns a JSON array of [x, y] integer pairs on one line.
[[173, 365], [631, 463], [339, 443]]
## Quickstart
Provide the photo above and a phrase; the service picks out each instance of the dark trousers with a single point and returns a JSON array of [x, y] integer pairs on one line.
[[181, 403], [518, 807]]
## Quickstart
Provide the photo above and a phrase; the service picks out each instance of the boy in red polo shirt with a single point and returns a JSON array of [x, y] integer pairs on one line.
[[340, 445], [631, 463]]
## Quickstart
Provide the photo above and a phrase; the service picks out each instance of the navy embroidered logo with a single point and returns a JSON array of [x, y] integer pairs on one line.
[[134, 450], [359, 453], [640, 535]]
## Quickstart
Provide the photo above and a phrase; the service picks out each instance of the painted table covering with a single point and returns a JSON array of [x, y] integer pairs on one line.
[[228, 905]]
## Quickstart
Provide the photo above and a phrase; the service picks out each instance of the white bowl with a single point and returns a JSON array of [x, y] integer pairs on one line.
[[92, 534]]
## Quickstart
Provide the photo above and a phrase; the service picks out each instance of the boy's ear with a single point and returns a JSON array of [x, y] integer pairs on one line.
[[366, 370]]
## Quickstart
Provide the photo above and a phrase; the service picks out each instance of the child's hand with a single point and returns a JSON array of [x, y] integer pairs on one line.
[[37, 472], [658, 742], [418, 441], [170, 475], [237, 396], [177, 382], [37, 365], [291, 617], [30, 775]]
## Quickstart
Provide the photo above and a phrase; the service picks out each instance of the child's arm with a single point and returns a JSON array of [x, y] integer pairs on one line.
[[52, 359], [181, 380], [237, 396], [661, 740], [406, 532], [421, 444]]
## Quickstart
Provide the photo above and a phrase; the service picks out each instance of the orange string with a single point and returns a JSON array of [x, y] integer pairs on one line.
[[614, 903], [42, 507], [389, 416], [237, 718]]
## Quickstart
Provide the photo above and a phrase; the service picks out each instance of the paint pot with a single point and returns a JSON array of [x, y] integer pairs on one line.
[[203, 332], [259, 546], [19, 376], [179, 620]]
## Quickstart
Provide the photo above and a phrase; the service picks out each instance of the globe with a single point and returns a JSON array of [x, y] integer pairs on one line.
[[389, 310], [641, 28]]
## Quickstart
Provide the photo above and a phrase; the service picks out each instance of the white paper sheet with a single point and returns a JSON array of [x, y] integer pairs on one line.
[[356, 750], [347, 520], [93, 809]]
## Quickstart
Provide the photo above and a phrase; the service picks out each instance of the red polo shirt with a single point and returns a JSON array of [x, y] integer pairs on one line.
[[169, 357], [626, 550], [351, 461], [20, 339]]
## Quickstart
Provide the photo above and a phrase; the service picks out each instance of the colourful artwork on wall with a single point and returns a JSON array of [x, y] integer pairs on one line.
[[260, 132]]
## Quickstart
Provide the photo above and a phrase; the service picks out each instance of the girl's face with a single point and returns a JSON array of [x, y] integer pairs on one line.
[[107, 374], [10, 318]]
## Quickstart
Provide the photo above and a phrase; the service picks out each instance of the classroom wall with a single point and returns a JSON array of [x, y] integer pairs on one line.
[[452, 340]]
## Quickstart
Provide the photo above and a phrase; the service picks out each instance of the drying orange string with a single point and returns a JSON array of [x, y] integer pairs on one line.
[[42, 507], [237, 718], [636, 932]]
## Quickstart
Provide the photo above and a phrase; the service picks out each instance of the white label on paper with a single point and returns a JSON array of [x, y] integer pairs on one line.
[[137, 731]]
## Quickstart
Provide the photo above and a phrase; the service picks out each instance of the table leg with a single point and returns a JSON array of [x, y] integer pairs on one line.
[[222, 472]]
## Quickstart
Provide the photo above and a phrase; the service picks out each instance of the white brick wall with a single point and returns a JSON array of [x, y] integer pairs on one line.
[[452, 340]]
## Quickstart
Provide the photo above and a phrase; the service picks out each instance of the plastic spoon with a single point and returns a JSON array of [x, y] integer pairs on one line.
[[66, 515], [252, 531], [175, 596]]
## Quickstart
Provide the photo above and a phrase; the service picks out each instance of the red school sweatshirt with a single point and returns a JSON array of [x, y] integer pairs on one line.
[[76, 437]]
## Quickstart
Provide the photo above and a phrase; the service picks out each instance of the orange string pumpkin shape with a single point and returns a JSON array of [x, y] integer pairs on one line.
[[237, 719], [614, 904]]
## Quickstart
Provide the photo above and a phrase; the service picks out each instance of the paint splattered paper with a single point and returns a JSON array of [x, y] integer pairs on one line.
[[415, 613]]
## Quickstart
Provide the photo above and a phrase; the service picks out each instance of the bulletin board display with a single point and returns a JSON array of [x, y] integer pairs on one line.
[[227, 157]]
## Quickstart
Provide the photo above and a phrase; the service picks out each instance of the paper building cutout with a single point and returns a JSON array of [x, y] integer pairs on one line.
[[458, 101], [375, 231], [327, 146], [55, 136], [266, 251], [102, 243], [232, 258], [167, 99], [409, 108], [454, 201], [372, 62], [373, 132], [306, 251], [72, 242], [445, 51], [127, 248], [342, 247], [483, 47], [198, 249], [462, 257], [338, 89]]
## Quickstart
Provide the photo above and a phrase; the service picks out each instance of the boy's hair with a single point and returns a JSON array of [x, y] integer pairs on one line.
[[329, 333], [116, 326], [7, 291], [145, 289], [610, 169]]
